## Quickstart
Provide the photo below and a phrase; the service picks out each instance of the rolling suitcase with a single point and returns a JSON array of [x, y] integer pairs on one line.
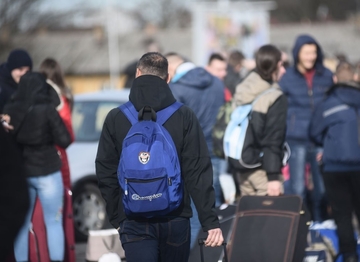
[[272, 229], [202, 256], [226, 215]]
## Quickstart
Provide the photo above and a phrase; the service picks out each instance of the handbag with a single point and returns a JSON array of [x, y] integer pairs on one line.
[[104, 246]]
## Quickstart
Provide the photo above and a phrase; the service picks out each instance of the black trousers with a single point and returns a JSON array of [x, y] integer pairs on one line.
[[343, 192]]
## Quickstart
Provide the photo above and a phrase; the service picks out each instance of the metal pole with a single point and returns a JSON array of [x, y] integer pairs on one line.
[[113, 48]]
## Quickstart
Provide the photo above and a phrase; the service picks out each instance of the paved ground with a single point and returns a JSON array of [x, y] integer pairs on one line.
[[80, 250]]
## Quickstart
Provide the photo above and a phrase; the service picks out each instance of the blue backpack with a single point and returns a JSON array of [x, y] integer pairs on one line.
[[149, 168]]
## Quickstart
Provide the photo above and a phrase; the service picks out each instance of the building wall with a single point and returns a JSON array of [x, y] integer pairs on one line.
[[91, 83]]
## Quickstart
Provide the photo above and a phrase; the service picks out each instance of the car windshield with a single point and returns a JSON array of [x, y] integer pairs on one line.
[[88, 118]]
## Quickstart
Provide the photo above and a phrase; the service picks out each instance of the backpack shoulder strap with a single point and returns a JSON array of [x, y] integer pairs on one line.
[[164, 114], [130, 112], [263, 93]]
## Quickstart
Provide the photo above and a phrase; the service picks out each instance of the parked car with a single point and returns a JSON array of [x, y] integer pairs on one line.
[[88, 116]]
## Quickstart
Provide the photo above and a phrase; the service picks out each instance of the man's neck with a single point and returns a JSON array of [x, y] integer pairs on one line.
[[303, 70]]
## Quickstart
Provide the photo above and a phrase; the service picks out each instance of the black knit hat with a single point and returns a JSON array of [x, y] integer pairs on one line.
[[18, 58]]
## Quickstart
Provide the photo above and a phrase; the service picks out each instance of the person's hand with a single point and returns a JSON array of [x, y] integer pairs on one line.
[[5, 120], [215, 238], [319, 156], [274, 188]]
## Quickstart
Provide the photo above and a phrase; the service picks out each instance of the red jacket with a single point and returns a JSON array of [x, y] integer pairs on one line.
[[65, 114]]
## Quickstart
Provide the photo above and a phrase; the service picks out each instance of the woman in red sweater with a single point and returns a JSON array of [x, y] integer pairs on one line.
[[55, 78]]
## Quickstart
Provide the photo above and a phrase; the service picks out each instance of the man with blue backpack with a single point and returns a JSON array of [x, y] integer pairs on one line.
[[152, 157]]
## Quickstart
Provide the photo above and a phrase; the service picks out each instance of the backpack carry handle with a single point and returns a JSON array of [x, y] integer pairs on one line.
[[147, 109]]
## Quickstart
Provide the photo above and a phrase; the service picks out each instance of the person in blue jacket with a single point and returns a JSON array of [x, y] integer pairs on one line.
[[305, 85], [336, 126], [204, 94]]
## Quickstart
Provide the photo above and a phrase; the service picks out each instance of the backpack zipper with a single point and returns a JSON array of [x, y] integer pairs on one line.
[[127, 180], [311, 96]]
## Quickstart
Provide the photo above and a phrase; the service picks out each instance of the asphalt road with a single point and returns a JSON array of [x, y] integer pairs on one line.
[[80, 250]]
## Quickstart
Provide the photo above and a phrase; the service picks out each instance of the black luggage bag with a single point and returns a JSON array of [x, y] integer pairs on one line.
[[271, 229], [226, 216]]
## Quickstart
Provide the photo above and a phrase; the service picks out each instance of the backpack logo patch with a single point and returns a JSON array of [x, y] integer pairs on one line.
[[144, 157], [136, 197]]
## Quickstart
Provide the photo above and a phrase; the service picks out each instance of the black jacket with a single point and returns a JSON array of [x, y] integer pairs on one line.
[[265, 138], [232, 79], [37, 125], [185, 130], [14, 196], [7, 86]]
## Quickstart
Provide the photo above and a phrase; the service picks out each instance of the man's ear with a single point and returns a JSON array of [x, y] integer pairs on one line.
[[168, 78], [335, 79], [138, 73], [356, 77]]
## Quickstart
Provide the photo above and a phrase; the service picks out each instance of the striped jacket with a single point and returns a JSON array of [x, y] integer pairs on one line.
[[336, 126]]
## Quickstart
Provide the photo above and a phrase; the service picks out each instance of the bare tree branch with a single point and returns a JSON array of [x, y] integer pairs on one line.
[[165, 13], [12, 13]]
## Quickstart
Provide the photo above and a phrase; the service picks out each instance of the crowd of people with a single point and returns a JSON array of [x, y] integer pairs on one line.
[[36, 116], [315, 111]]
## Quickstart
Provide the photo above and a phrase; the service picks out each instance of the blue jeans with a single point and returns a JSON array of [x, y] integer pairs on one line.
[[194, 225], [50, 191], [219, 167], [154, 240], [302, 153]]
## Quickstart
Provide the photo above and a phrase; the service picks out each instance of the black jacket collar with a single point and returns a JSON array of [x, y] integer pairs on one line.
[[149, 90]]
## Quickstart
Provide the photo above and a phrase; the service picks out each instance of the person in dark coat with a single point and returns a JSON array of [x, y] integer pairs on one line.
[[14, 197], [233, 76], [336, 127], [37, 129], [204, 94], [18, 63], [305, 85]]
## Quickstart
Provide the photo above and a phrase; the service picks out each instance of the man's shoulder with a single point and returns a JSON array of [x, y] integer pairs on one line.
[[327, 74], [185, 112], [115, 115], [290, 74]]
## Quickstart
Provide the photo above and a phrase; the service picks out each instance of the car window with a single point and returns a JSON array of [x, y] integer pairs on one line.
[[88, 118]]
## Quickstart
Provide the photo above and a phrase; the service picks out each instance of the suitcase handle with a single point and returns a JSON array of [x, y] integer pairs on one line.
[[201, 242]]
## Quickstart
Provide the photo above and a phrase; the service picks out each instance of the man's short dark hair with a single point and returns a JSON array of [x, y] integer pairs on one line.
[[345, 72], [216, 56], [236, 58], [153, 63]]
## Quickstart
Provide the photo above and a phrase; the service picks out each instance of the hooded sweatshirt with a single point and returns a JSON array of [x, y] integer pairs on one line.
[[37, 125], [203, 93], [336, 126], [302, 98], [265, 137]]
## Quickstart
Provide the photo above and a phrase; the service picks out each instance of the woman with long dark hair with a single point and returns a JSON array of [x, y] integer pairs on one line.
[[265, 137]]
